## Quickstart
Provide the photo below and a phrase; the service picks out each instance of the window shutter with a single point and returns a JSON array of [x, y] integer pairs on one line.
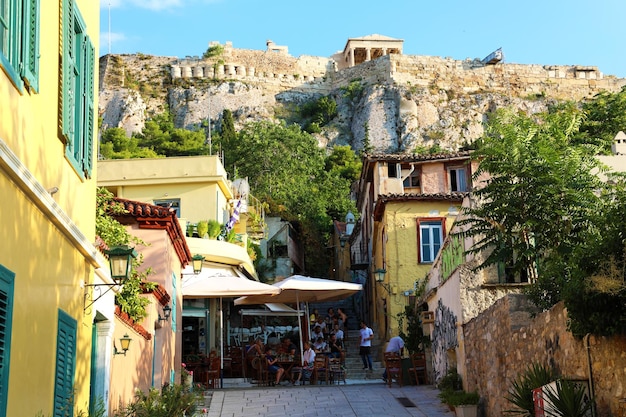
[[6, 320], [65, 365], [88, 88], [68, 74], [30, 44]]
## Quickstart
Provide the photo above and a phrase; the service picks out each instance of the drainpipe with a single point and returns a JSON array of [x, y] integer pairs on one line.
[[590, 372]]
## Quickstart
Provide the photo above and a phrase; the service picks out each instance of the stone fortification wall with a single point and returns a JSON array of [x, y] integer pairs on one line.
[[503, 341], [557, 81]]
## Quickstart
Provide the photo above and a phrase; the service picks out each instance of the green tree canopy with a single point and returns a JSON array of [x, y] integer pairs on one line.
[[286, 168]]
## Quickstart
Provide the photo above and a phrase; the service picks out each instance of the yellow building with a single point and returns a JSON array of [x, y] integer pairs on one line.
[[198, 188], [48, 197], [407, 204]]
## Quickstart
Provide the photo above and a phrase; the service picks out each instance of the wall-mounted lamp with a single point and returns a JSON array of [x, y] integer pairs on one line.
[[196, 261], [342, 241], [124, 343], [380, 278], [120, 264], [167, 311]]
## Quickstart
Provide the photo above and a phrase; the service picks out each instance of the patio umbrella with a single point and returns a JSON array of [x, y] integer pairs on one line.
[[223, 282], [299, 288]]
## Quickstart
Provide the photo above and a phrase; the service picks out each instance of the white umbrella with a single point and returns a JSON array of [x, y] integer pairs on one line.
[[220, 282], [298, 288]]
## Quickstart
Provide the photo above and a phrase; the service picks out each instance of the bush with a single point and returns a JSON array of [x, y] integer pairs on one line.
[[520, 394], [172, 400], [456, 398], [451, 382]]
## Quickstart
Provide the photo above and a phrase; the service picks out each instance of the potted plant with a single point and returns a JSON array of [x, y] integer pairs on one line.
[[465, 403], [202, 228], [214, 229]]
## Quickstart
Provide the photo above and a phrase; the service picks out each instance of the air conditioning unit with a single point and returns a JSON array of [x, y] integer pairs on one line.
[[543, 406]]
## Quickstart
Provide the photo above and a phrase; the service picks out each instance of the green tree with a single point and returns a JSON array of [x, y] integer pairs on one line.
[[606, 116], [344, 162], [114, 144], [286, 169], [539, 202]]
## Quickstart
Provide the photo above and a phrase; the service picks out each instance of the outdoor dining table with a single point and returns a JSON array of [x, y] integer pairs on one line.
[[286, 364]]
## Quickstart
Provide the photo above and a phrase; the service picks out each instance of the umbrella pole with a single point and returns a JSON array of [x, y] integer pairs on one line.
[[221, 345], [300, 324]]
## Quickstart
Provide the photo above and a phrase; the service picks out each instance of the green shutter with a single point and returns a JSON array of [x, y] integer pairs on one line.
[[65, 366], [68, 97], [89, 97], [30, 44], [6, 320]]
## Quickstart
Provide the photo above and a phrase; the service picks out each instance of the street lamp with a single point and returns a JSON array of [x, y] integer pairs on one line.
[[120, 261], [196, 261], [167, 311], [124, 344], [380, 278], [120, 264]]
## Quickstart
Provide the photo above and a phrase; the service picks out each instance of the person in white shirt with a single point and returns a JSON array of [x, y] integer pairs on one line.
[[395, 345], [365, 348], [339, 335], [308, 357], [320, 346]]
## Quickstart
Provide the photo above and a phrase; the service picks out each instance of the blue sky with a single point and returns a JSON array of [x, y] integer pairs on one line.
[[548, 32]]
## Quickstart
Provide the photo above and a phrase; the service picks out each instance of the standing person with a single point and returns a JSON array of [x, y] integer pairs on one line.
[[344, 320], [396, 346], [365, 348]]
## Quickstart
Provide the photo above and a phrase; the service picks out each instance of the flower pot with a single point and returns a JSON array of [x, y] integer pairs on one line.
[[466, 410]]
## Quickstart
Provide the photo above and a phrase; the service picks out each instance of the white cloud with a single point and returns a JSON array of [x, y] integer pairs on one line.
[[156, 5]]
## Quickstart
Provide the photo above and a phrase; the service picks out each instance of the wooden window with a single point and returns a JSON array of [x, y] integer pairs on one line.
[[6, 321], [78, 90], [19, 42], [458, 179], [431, 232], [65, 366]]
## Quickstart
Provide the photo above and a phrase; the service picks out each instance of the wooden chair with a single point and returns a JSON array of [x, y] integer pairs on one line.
[[320, 369], [337, 372], [213, 375], [259, 364], [418, 368], [393, 365]]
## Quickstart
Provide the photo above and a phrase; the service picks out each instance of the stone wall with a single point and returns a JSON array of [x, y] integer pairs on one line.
[[504, 340]]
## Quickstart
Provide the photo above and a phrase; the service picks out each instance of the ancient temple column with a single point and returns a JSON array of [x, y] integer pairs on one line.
[[351, 61], [368, 54], [384, 51]]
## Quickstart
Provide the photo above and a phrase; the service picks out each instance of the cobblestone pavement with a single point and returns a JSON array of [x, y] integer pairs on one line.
[[362, 400]]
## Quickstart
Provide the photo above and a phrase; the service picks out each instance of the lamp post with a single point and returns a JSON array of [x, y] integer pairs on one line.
[[380, 278], [196, 261], [167, 311], [120, 261], [120, 264], [124, 344]]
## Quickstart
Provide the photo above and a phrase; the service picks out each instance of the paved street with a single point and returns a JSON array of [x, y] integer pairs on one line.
[[353, 400]]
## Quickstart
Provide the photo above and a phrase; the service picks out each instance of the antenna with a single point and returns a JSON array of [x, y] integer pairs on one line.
[[109, 28]]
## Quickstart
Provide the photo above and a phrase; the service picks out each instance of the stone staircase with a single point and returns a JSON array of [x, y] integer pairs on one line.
[[353, 364]]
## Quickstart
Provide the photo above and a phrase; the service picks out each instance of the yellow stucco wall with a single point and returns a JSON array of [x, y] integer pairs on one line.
[[200, 182], [400, 252], [47, 242]]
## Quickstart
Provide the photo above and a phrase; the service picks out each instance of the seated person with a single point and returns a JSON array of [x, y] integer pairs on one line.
[[306, 370], [338, 334], [320, 346], [336, 351], [322, 325], [288, 347], [272, 366], [317, 332], [255, 349]]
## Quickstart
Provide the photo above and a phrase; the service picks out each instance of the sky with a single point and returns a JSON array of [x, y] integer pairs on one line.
[[542, 32]]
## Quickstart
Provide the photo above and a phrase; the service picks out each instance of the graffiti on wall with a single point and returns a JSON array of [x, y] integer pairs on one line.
[[451, 257], [443, 338]]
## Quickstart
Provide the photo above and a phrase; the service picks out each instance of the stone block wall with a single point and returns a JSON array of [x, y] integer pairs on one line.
[[504, 340]]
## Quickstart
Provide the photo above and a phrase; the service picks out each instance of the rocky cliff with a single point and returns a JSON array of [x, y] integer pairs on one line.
[[394, 103]]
